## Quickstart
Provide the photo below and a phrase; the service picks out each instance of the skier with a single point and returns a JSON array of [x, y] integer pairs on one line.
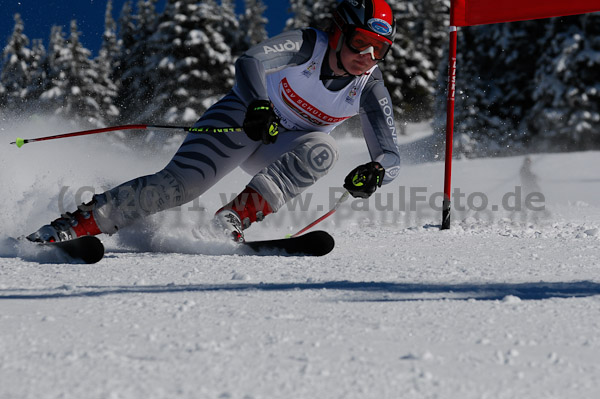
[[529, 180], [290, 92]]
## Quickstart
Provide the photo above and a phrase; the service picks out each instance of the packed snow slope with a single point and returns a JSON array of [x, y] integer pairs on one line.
[[505, 304]]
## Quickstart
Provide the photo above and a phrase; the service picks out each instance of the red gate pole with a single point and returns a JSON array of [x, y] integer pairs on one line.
[[446, 207]]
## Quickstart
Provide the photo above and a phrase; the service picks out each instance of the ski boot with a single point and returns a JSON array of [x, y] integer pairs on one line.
[[229, 222], [68, 227], [248, 207]]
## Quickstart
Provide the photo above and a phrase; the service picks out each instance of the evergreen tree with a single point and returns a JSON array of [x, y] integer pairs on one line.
[[109, 53], [39, 73], [230, 28], [106, 61], [53, 95], [77, 90], [136, 70], [496, 64], [566, 111], [435, 47], [126, 27], [193, 61], [433, 26], [313, 13], [412, 68], [405, 68], [525, 83], [79, 101], [253, 23], [15, 77]]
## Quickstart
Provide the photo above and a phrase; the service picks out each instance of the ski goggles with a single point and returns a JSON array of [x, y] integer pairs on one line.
[[362, 41]]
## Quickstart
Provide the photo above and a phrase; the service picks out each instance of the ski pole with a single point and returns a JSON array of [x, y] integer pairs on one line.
[[343, 198], [20, 142]]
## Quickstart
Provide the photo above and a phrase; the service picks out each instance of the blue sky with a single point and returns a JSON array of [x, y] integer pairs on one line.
[[40, 15]]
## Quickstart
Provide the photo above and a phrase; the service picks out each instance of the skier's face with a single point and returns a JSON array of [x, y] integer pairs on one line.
[[356, 63]]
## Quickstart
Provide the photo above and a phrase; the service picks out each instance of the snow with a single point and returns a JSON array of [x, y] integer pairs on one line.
[[506, 304]]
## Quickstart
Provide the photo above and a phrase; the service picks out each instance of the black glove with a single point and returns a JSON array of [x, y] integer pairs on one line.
[[261, 123], [364, 180]]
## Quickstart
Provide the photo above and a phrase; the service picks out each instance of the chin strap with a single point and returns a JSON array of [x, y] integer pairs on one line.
[[340, 66], [338, 56]]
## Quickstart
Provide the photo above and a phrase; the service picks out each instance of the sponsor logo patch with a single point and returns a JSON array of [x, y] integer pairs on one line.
[[310, 69], [379, 26], [352, 96], [321, 157], [393, 172], [304, 109]]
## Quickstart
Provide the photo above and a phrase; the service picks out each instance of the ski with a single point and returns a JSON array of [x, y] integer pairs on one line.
[[88, 249], [315, 243]]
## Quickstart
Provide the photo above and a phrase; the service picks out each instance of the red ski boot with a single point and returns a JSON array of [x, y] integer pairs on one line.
[[67, 227], [248, 207]]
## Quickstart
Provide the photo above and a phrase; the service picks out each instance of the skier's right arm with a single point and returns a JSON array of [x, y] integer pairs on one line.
[[287, 49]]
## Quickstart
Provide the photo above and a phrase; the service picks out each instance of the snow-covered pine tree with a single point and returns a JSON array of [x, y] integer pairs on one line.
[[126, 30], [52, 97], [413, 64], [433, 28], [193, 61], [230, 28], [406, 69], [110, 48], [106, 62], [566, 111], [79, 100], [39, 74], [313, 13], [496, 64], [15, 77], [435, 19], [76, 90], [253, 23], [137, 71]]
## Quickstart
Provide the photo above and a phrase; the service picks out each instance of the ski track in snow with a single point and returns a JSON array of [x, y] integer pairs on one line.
[[506, 304]]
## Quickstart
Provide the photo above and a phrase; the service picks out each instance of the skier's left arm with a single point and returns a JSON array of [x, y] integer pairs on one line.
[[379, 130]]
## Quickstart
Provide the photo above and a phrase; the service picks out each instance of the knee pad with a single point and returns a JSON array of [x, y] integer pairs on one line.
[[296, 170]]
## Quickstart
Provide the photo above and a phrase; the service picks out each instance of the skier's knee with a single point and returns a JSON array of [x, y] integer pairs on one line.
[[296, 170], [319, 154]]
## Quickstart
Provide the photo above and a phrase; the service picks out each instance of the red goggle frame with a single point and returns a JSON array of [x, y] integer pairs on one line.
[[362, 41]]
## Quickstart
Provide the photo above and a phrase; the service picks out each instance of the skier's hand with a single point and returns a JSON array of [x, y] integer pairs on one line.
[[261, 123], [364, 180]]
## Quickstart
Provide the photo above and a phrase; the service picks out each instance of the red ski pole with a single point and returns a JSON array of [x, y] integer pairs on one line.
[[343, 198], [20, 142]]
